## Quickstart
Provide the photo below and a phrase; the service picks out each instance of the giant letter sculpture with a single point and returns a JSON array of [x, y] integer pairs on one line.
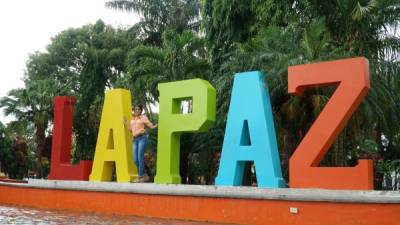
[[250, 134], [61, 168], [172, 123], [114, 146], [351, 77]]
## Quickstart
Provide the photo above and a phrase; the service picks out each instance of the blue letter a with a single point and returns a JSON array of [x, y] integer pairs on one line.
[[250, 135]]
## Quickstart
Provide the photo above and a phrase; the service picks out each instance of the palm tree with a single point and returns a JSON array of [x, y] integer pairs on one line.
[[158, 16], [277, 34], [272, 51], [182, 56], [34, 104]]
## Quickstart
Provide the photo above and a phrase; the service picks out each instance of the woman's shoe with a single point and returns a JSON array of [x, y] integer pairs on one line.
[[144, 179], [137, 180]]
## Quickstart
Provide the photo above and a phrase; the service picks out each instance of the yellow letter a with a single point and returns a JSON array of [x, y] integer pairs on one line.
[[114, 146]]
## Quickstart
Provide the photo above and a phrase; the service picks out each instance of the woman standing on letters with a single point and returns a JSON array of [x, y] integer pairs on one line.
[[140, 139]]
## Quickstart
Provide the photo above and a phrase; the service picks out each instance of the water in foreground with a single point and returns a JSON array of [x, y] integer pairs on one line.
[[30, 216]]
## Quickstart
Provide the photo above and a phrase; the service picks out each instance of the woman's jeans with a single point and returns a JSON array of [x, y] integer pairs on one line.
[[139, 145]]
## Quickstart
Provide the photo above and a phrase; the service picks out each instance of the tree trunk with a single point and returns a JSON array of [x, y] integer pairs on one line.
[[247, 174], [183, 165], [41, 147]]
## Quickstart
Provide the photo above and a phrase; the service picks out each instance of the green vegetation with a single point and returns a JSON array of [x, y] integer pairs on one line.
[[213, 39]]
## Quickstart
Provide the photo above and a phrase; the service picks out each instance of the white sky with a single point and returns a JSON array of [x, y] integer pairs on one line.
[[27, 26]]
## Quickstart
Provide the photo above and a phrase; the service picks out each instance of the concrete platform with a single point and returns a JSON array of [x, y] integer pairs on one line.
[[288, 194]]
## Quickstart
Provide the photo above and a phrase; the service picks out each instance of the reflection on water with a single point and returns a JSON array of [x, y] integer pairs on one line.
[[30, 216]]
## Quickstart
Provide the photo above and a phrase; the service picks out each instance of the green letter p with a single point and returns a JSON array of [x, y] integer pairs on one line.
[[172, 123]]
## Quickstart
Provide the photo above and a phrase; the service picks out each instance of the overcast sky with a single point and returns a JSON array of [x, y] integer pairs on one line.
[[27, 26]]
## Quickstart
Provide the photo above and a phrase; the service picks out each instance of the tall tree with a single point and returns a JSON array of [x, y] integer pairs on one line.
[[182, 56], [277, 34], [82, 62], [89, 60], [159, 16]]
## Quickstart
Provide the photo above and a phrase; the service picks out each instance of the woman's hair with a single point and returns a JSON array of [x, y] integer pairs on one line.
[[139, 106]]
